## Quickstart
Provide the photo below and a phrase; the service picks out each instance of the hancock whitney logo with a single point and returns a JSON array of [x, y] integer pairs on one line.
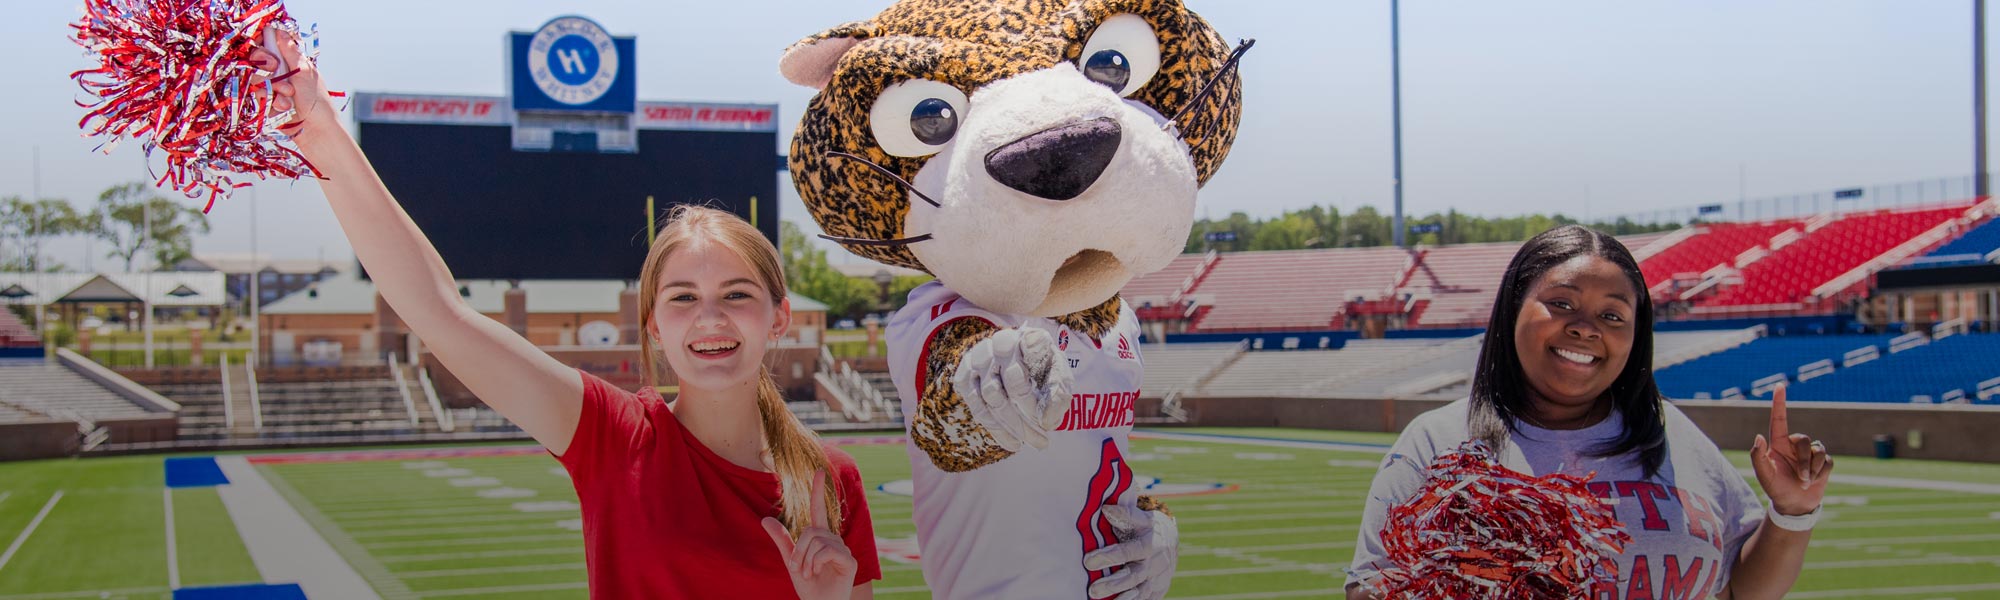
[[573, 60]]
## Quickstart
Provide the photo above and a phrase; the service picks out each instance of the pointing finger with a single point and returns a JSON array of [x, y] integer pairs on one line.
[[1780, 426]]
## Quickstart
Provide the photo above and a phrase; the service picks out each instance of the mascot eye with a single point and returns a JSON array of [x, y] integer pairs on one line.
[[916, 117], [1123, 54]]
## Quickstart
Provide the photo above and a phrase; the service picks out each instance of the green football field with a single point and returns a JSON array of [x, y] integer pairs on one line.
[[1278, 521]]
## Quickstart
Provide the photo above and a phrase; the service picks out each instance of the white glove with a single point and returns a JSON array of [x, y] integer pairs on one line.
[[1017, 386], [1149, 553]]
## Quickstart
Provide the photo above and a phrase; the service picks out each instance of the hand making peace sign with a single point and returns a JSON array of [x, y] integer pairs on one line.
[[820, 564], [1792, 467]]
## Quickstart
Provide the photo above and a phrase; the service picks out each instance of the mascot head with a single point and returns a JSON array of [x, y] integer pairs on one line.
[[1034, 155]]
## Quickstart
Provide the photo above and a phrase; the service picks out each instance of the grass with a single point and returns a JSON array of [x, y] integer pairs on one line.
[[1287, 530]]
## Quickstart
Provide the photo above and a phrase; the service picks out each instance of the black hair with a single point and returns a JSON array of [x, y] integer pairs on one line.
[[1500, 388]]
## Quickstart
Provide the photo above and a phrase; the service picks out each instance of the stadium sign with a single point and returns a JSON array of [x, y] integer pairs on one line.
[[431, 109], [572, 64], [1423, 228], [1220, 236], [1848, 194], [684, 116]]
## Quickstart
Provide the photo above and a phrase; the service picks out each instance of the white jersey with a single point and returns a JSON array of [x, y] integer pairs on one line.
[[1019, 528]]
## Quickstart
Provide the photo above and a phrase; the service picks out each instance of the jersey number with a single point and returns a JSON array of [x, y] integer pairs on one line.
[[1113, 477]]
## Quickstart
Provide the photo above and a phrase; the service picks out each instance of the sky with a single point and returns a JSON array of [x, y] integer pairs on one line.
[[1586, 108]]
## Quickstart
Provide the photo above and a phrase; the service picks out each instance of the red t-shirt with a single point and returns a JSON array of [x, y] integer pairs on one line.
[[665, 517]]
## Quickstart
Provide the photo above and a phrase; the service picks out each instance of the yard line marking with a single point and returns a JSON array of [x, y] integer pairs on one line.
[[284, 546], [575, 566], [173, 553], [545, 587], [475, 541], [1872, 592], [1906, 483], [4, 495], [1921, 539], [492, 554], [37, 522], [1930, 559]]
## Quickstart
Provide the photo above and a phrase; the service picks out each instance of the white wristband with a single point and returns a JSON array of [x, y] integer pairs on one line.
[[1803, 522]]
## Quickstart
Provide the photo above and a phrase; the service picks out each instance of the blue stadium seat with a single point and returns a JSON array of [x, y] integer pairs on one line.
[[1970, 248], [1958, 362], [1739, 366]]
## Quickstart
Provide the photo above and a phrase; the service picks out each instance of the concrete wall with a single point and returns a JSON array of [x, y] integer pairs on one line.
[[1937, 432]]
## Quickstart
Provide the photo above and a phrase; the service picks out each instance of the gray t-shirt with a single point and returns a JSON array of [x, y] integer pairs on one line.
[[1688, 523]]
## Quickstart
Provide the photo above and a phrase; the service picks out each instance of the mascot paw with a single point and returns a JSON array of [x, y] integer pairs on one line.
[[1016, 384], [1150, 549]]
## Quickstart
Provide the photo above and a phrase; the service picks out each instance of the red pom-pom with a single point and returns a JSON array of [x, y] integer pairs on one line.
[[1480, 530], [177, 75]]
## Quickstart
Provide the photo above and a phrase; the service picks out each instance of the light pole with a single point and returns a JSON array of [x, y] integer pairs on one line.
[[1396, 108]]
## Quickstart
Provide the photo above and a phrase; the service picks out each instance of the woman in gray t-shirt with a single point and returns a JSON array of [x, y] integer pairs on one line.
[[1565, 385]]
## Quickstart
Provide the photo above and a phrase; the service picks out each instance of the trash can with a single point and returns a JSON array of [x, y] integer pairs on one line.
[[1885, 446]]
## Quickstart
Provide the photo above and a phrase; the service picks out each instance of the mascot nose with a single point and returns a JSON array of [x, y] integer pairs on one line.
[[1058, 163]]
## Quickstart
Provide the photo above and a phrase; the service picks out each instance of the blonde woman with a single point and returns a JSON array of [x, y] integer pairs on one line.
[[719, 492]]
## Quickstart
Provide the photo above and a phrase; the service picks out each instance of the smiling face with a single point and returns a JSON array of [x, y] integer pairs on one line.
[[713, 317], [1575, 330]]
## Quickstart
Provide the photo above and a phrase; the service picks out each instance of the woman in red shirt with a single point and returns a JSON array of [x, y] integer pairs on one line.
[[673, 493]]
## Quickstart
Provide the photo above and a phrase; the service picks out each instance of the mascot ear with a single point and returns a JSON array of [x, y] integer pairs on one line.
[[810, 62]]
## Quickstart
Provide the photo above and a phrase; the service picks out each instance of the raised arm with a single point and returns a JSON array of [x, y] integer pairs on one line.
[[542, 396]]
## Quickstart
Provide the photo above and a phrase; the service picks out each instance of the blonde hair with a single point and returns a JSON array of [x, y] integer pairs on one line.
[[795, 451]]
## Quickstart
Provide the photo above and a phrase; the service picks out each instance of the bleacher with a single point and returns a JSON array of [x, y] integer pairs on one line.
[[202, 415], [1459, 282], [333, 408], [1171, 367], [1157, 285], [53, 390], [1446, 369], [1295, 372], [1293, 289], [1712, 244], [1793, 271], [1738, 369], [1979, 244], [1950, 369], [15, 334]]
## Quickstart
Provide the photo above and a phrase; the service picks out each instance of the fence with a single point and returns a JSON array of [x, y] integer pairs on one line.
[[1935, 190]]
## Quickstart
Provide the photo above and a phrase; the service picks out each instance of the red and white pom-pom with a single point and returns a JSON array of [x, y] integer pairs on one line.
[[1480, 530], [177, 75]]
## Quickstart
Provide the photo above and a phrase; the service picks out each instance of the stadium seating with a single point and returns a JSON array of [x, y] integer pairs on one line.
[[1789, 274], [1444, 372], [202, 413], [1933, 370], [1713, 244], [1172, 367], [1158, 285], [32, 385], [333, 408], [1974, 246], [1459, 282], [1739, 368], [1293, 289], [16, 334]]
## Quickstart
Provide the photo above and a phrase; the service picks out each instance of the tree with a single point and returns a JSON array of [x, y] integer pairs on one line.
[[29, 224], [122, 217], [808, 273]]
